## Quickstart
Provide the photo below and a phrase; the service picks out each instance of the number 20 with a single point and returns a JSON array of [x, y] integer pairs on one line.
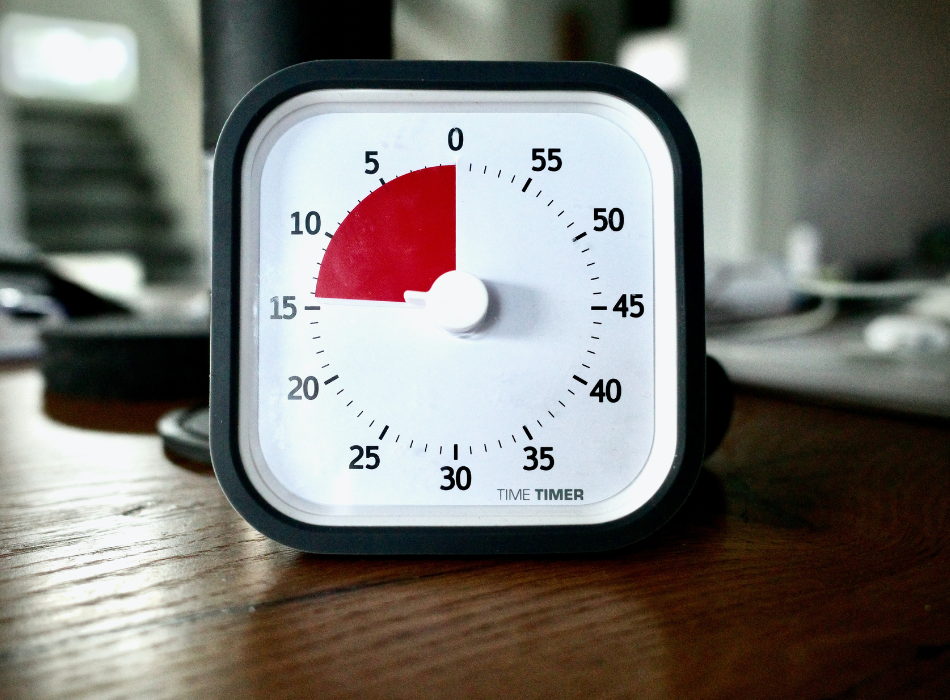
[[310, 386]]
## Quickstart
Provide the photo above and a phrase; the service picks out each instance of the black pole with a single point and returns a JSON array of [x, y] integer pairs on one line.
[[244, 41]]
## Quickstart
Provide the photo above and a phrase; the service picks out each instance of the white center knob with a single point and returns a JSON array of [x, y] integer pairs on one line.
[[457, 301]]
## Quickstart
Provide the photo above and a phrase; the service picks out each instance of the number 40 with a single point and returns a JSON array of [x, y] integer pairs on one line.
[[609, 390]]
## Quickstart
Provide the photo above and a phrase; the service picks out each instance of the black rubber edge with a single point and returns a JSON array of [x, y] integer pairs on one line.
[[439, 75]]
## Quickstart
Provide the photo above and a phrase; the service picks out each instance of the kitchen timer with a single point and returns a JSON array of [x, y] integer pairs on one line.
[[457, 308]]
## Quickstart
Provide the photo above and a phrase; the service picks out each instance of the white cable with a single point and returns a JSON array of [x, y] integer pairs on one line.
[[782, 326], [831, 289]]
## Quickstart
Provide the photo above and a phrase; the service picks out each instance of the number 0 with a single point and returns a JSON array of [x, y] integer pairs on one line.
[[314, 227], [311, 387], [613, 391], [455, 139], [616, 219]]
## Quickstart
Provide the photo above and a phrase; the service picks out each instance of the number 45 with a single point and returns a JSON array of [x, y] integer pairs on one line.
[[635, 309]]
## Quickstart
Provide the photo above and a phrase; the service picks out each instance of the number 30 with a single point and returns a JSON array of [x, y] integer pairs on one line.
[[461, 477]]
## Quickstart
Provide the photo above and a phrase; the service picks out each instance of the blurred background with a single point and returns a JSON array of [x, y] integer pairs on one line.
[[823, 128]]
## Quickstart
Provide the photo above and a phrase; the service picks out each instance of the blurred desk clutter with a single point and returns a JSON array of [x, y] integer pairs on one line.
[[97, 305], [882, 344]]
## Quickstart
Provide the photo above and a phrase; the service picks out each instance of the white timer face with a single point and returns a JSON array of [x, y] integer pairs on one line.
[[457, 308]]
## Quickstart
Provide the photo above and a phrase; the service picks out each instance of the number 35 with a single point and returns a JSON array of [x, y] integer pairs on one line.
[[547, 454]]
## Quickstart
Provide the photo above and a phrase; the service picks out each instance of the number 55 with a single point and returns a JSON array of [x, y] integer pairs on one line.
[[537, 156]]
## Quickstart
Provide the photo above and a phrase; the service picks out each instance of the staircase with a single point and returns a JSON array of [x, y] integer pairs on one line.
[[86, 189]]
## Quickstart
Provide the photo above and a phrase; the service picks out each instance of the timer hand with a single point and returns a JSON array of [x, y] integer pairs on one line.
[[457, 302]]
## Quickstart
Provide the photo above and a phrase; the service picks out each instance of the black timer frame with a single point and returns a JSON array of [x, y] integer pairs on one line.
[[225, 318]]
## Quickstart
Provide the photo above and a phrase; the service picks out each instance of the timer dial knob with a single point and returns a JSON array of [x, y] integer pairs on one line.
[[457, 302]]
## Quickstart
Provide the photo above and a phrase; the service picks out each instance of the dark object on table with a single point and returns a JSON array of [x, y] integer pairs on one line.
[[934, 247], [184, 433], [720, 399], [32, 293], [33, 276], [128, 358]]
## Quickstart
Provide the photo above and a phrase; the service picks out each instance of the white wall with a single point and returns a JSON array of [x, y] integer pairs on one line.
[[742, 100], [834, 112], [166, 112], [12, 240], [876, 146]]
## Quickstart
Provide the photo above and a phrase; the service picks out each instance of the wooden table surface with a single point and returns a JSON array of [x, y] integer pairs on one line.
[[812, 561]]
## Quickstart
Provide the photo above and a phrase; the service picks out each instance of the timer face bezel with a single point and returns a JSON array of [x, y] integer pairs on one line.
[[323, 87], [643, 430]]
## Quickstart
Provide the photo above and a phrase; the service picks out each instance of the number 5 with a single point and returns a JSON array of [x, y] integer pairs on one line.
[[370, 159], [548, 454], [537, 155]]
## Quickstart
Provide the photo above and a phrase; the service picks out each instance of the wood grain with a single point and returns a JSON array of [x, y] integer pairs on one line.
[[811, 562]]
